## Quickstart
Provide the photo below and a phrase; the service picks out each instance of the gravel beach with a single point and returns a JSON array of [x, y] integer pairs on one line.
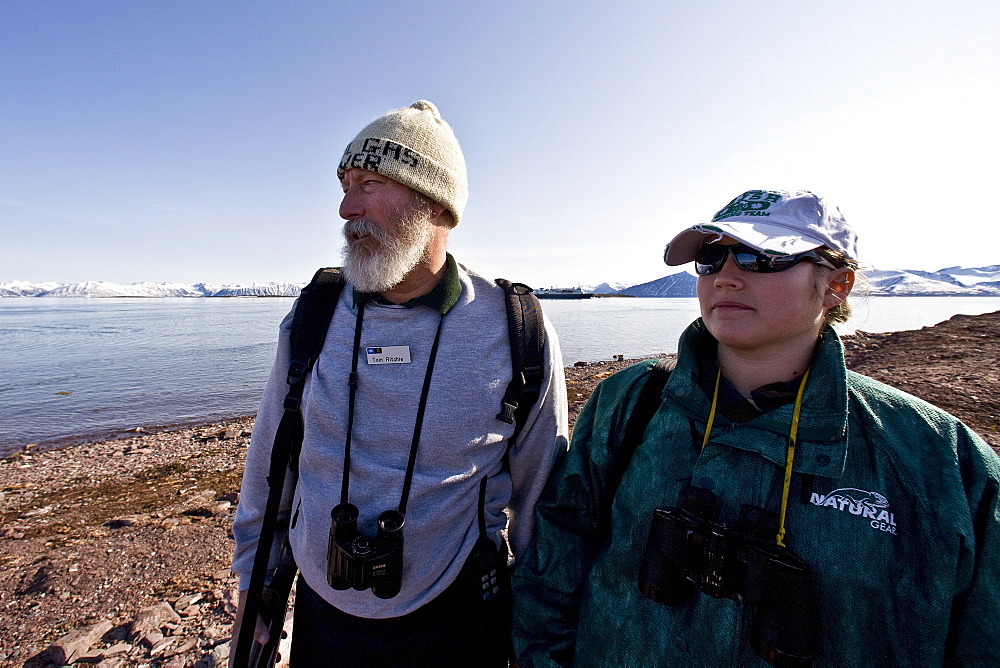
[[117, 553]]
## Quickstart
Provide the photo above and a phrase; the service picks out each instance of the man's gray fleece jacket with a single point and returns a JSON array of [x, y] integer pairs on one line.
[[461, 441]]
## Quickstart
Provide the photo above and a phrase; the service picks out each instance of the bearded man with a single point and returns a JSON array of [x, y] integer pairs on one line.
[[421, 428]]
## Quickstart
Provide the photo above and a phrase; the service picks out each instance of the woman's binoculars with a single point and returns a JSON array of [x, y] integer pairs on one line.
[[353, 560], [687, 551]]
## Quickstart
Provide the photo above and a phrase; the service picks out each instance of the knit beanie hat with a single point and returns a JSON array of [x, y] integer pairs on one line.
[[417, 148]]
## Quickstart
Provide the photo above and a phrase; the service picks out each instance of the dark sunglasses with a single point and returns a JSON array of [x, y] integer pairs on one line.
[[710, 259]]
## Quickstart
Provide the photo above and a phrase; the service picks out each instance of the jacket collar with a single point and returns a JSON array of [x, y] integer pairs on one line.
[[822, 439]]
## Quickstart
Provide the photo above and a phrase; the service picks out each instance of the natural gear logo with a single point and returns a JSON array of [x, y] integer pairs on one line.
[[870, 505], [750, 203]]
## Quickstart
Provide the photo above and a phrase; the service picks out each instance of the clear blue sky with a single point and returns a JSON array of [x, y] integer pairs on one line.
[[189, 140]]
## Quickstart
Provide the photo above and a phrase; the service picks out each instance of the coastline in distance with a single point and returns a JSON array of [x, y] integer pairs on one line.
[[947, 282]]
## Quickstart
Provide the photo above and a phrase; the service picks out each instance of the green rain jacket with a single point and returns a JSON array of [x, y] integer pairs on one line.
[[893, 504]]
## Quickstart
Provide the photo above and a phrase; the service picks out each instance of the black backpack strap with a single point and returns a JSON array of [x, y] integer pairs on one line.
[[527, 350], [309, 326], [650, 398], [311, 321]]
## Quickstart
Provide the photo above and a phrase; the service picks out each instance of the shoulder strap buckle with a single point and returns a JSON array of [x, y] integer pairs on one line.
[[297, 371], [527, 350]]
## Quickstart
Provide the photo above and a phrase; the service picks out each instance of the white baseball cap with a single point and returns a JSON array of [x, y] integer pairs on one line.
[[776, 222]]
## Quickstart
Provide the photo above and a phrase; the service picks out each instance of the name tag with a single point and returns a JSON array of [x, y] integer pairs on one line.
[[388, 355]]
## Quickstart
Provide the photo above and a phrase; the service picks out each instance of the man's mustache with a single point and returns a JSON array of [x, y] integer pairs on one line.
[[360, 227]]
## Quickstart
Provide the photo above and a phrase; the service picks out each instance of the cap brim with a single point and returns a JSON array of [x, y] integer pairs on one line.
[[770, 239]]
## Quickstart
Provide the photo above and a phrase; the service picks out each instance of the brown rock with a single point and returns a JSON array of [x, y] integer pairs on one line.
[[110, 662], [119, 522], [148, 637], [172, 646], [200, 511], [76, 644], [221, 652], [148, 622], [117, 648], [184, 602]]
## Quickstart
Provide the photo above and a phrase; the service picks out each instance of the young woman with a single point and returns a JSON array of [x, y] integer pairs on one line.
[[775, 506]]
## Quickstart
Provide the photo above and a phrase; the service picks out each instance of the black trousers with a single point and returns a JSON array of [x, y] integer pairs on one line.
[[448, 631]]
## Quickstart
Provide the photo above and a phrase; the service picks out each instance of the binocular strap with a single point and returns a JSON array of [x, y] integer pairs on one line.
[[421, 408]]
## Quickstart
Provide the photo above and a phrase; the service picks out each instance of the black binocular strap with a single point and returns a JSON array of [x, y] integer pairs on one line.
[[417, 427], [352, 381]]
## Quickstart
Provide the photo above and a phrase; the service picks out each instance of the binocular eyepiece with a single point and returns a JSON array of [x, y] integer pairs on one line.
[[688, 551], [354, 560]]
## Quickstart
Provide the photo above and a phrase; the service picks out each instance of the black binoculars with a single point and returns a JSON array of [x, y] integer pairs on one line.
[[688, 551], [354, 560]]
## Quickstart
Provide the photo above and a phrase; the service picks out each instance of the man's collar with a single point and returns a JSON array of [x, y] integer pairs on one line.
[[441, 298]]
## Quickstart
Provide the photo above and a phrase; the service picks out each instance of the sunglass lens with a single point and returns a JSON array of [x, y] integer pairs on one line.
[[783, 262], [751, 260], [709, 259]]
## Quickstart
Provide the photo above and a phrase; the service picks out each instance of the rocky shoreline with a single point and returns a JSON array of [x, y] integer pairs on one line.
[[117, 553]]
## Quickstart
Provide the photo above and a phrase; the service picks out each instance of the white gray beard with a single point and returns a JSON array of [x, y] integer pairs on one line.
[[395, 255]]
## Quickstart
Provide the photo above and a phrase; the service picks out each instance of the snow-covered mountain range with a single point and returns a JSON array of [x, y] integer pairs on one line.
[[108, 289], [948, 282]]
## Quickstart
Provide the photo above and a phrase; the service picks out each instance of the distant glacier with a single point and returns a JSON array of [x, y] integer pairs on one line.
[[147, 289], [948, 282], [953, 281]]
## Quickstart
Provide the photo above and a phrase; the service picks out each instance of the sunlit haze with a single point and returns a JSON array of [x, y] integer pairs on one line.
[[198, 141]]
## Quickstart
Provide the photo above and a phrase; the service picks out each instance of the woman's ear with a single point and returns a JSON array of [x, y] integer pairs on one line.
[[838, 285]]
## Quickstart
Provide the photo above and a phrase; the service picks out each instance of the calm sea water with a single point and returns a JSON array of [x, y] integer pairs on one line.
[[76, 369]]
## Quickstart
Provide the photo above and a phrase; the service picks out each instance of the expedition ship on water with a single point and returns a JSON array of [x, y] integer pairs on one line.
[[562, 293]]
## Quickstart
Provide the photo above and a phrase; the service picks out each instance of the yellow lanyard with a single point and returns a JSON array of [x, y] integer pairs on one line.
[[792, 435]]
